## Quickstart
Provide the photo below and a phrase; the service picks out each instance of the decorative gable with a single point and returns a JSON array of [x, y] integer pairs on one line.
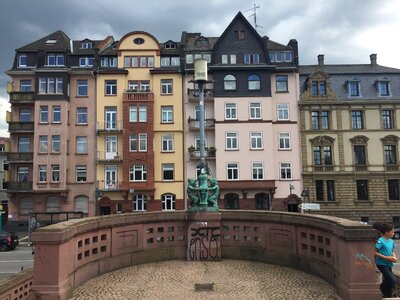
[[318, 87]]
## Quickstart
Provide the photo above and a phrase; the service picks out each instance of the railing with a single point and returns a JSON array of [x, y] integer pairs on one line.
[[22, 97], [194, 94], [18, 286], [17, 186], [322, 168], [209, 153], [21, 127], [14, 157], [104, 156], [115, 126], [392, 167], [134, 95], [109, 185], [360, 168], [194, 124]]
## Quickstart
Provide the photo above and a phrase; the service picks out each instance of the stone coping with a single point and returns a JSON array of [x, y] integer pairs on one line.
[[15, 280]]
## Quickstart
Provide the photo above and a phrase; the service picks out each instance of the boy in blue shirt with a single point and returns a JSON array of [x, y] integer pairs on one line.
[[385, 257]]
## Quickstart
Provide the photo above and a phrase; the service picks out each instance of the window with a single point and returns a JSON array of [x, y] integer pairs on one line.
[[23, 174], [108, 61], [284, 141], [168, 202], [43, 144], [81, 173], [167, 115], [257, 170], [231, 201], [287, 56], [111, 87], [253, 82], [383, 88], [139, 203], [255, 111], [393, 189], [25, 206], [142, 113], [232, 171], [224, 58], [25, 85], [82, 204], [283, 111], [44, 114], [22, 60], [42, 173], [55, 173], [133, 113], [197, 141], [322, 155], [166, 86], [262, 201], [53, 204], [86, 61], [362, 189], [24, 144], [318, 88], [353, 88], [239, 35], [25, 114], [55, 143], [251, 58], [144, 85], [81, 145], [281, 83], [82, 88], [189, 58], [143, 142], [55, 59], [390, 154], [111, 118], [319, 190], [230, 111], [357, 119], [359, 155], [256, 140], [50, 85], [167, 143], [170, 61], [81, 115], [133, 142], [387, 119], [320, 120], [168, 172], [286, 171], [137, 173], [231, 140], [330, 189], [229, 83], [56, 114], [86, 45]]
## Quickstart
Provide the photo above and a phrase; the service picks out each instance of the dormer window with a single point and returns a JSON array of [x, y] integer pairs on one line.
[[353, 88], [22, 60], [170, 45], [251, 58], [86, 61], [318, 88], [55, 59], [202, 41], [87, 45], [383, 87]]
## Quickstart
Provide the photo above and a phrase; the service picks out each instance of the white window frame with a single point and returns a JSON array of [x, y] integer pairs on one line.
[[168, 167], [168, 202], [282, 110], [55, 173], [133, 142], [56, 111], [257, 138], [142, 142], [25, 85], [255, 110], [139, 202], [286, 139], [139, 168], [167, 142], [20, 64], [231, 137], [42, 173], [55, 143], [81, 171], [143, 113], [286, 166], [230, 110], [81, 145], [257, 166], [44, 109], [167, 114], [82, 83], [166, 86], [81, 111], [231, 167], [43, 144], [110, 87]]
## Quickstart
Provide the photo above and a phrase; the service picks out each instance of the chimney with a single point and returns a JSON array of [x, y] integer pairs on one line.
[[320, 60], [373, 60]]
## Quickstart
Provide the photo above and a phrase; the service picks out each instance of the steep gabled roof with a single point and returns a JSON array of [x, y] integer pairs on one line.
[[274, 46], [348, 69], [62, 43], [77, 46]]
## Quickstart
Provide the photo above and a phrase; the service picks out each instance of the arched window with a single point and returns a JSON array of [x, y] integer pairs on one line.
[[25, 206], [168, 201], [262, 201], [82, 204], [231, 201], [253, 82], [53, 204], [229, 83]]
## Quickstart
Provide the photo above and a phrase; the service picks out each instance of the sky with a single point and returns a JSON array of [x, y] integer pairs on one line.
[[345, 31]]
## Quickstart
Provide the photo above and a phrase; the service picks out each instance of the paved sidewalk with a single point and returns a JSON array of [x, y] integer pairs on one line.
[[232, 279]]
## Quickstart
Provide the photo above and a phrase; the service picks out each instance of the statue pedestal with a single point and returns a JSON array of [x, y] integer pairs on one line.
[[204, 236]]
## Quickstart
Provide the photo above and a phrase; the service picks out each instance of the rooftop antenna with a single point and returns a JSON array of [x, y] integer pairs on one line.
[[254, 15]]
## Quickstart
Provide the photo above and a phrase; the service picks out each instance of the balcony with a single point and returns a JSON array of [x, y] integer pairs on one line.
[[392, 167], [195, 153], [323, 168], [360, 168], [23, 127], [109, 185], [19, 186], [137, 95], [107, 127], [194, 124], [194, 95], [103, 156], [20, 157], [22, 97]]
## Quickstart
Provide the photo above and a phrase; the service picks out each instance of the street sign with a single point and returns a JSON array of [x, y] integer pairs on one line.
[[310, 206]]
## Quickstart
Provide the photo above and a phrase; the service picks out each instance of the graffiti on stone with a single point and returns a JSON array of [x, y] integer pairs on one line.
[[204, 243]]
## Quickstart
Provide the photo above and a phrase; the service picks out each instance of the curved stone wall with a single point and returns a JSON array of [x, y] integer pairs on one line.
[[70, 253]]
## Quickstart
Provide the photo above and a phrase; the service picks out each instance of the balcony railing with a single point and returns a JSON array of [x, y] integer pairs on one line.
[[109, 185], [16, 157], [21, 127], [22, 97], [194, 94], [136, 95], [115, 126], [360, 168], [109, 156], [209, 153], [17, 186], [323, 168], [194, 124], [392, 167]]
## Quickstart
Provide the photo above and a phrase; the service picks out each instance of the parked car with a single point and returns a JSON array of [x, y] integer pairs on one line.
[[8, 240]]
